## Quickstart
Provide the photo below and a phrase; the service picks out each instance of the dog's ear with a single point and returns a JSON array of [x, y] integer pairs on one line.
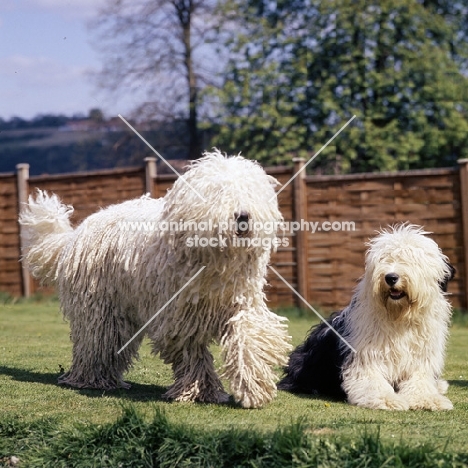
[[444, 283]]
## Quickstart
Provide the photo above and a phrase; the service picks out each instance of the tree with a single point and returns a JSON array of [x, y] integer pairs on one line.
[[302, 68], [154, 49], [96, 115]]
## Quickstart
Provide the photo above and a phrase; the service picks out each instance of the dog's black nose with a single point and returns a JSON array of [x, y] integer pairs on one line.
[[391, 278], [242, 223]]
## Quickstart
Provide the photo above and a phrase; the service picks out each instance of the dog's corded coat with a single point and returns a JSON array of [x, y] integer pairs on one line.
[[122, 264]]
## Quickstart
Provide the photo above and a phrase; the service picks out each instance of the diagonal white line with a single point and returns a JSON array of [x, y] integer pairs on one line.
[[155, 152], [312, 309], [314, 156], [161, 309]]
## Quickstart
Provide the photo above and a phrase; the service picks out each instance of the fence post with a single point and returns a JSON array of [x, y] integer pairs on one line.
[[150, 173], [464, 209], [300, 213], [22, 188]]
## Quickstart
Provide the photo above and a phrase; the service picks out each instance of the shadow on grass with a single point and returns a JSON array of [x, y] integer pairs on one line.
[[317, 396], [458, 383], [24, 375], [137, 392]]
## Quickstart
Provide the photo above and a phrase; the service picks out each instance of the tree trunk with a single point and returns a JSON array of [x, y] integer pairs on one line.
[[185, 10]]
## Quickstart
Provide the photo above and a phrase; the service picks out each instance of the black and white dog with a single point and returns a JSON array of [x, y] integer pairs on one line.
[[387, 347]]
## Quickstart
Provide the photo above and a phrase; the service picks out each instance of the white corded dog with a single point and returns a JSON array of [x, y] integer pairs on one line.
[[121, 265]]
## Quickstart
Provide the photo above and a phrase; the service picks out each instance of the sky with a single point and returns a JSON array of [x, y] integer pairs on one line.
[[47, 60]]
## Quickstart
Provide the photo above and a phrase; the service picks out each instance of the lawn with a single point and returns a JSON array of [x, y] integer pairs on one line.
[[35, 346]]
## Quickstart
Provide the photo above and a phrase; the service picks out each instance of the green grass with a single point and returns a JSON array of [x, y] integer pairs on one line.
[[40, 420], [133, 441]]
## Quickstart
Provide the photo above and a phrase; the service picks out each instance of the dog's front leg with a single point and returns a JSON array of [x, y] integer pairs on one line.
[[254, 342], [423, 391], [366, 386]]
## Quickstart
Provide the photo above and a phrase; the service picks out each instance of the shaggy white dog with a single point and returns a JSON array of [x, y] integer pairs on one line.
[[397, 326], [121, 265]]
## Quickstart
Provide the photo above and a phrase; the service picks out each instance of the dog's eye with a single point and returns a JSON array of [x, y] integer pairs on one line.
[[242, 223]]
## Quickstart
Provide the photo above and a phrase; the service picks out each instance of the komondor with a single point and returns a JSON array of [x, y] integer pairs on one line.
[[388, 352], [177, 261]]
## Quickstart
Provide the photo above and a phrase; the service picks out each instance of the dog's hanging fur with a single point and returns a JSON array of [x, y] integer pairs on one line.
[[121, 265], [397, 324]]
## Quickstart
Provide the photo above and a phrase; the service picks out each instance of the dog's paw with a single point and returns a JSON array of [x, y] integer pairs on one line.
[[250, 402], [254, 395], [124, 385], [432, 403], [193, 393], [386, 402], [394, 402]]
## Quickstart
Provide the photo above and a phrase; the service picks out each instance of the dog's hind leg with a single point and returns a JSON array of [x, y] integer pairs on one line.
[[194, 373], [97, 339], [254, 343]]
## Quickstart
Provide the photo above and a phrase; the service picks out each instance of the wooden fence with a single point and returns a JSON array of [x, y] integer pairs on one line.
[[321, 266]]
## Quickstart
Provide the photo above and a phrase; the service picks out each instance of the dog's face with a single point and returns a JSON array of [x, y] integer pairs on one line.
[[407, 271], [392, 286], [230, 204]]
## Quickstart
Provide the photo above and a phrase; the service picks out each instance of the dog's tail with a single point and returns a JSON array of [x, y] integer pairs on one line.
[[46, 228]]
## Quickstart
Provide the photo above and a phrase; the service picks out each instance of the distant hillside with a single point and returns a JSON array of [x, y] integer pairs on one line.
[[58, 144]]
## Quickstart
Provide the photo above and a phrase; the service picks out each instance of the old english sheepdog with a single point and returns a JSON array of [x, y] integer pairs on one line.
[[178, 262], [388, 349]]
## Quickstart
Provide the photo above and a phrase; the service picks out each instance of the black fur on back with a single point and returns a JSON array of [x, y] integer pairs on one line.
[[444, 283], [315, 366]]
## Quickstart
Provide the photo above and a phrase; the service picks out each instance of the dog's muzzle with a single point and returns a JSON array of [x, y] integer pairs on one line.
[[242, 223], [394, 293], [391, 279]]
